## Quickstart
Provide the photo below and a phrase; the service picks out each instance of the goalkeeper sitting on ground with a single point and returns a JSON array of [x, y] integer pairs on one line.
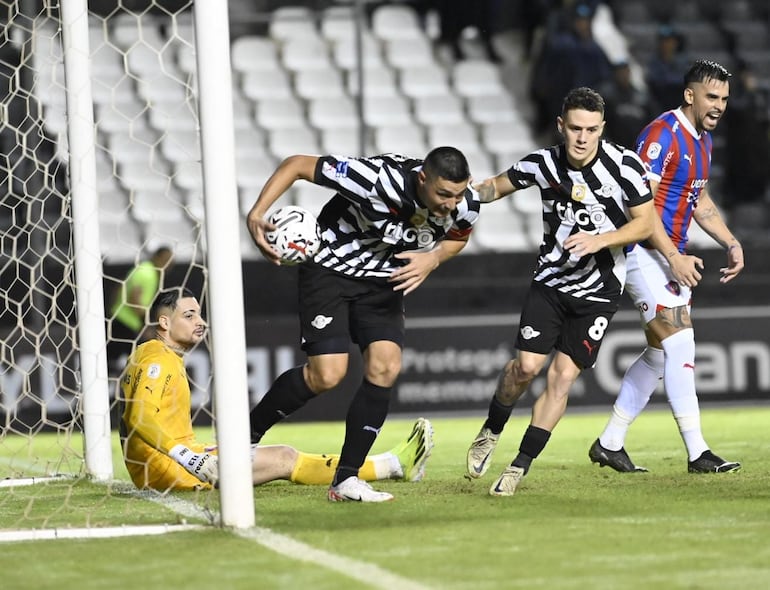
[[159, 445]]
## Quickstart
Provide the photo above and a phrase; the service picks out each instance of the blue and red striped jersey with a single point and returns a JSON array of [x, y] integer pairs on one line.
[[679, 159]]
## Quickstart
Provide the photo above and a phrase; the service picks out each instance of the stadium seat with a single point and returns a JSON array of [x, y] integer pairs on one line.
[[181, 146], [165, 205], [463, 136], [250, 142], [345, 56], [344, 142], [287, 142], [382, 111], [121, 240], [143, 175], [511, 139], [188, 175], [476, 77], [291, 22], [403, 139], [305, 53], [338, 23], [420, 82], [500, 229], [173, 117], [284, 113], [260, 85], [492, 108], [409, 53], [252, 173], [138, 145], [396, 21], [439, 110], [185, 236], [252, 53], [164, 90], [319, 83], [378, 82], [328, 113]]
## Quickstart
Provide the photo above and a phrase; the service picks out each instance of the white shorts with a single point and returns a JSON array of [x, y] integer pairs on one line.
[[651, 285]]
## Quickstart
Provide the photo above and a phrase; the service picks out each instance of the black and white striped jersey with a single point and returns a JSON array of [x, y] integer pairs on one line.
[[593, 199], [376, 213]]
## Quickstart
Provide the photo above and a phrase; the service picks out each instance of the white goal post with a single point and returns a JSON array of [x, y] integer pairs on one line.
[[65, 107]]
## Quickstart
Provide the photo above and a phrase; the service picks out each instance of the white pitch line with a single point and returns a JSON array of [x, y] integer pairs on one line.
[[367, 573]]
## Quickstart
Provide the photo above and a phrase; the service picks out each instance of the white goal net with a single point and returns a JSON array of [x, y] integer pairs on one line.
[[149, 189]]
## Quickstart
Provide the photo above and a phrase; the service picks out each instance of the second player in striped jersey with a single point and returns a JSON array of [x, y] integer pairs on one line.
[[391, 222], [595, 201]]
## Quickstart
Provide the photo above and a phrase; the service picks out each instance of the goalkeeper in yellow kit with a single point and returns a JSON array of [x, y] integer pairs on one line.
[[159, 445]]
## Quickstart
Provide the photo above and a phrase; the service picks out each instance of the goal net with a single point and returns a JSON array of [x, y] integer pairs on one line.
[[149, 193]]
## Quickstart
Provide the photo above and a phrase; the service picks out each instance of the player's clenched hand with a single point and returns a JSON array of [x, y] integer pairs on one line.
[[411, 275], [258, 225], [685, 267], [201, 465]]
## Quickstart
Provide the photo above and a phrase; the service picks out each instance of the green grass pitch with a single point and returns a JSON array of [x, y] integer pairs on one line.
[[571, 524]]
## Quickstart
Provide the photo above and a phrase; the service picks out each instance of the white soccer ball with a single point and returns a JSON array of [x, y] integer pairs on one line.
[[296, 237]]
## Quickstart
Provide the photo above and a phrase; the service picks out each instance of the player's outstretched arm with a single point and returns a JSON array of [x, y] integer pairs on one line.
[[293, 168], [711, 221]]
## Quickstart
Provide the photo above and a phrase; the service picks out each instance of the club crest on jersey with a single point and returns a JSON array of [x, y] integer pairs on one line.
[[674, 288], [418, 219], [528, 333], [653, 150], [579, 192]]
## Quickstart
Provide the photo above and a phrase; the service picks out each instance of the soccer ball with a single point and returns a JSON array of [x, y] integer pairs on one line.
[[296, 237]]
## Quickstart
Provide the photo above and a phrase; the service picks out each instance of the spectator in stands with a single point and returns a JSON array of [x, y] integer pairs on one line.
[[457, 15], [664, 70], [570, 58], [130, 302], [747, 175], [628, 107]]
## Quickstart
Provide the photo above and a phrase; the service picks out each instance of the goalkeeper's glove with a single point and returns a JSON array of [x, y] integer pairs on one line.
[[201, 465]]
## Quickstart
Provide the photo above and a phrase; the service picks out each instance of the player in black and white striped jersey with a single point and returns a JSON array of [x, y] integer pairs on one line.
[[596, 200], [390, 223]]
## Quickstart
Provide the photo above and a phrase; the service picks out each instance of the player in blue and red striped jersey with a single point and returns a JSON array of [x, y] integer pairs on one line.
[[676, 149]]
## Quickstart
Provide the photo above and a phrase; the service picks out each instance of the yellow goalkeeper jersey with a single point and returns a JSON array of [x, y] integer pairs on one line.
[[156, 417]]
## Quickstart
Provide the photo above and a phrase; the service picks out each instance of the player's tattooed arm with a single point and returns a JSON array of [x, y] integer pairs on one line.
[[494, 188], [486, 190]]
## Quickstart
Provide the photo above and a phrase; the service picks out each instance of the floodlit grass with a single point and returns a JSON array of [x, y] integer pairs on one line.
[[570, 525]]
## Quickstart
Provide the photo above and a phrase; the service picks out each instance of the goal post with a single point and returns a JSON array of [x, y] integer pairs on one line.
[[228, 336], [136, 106], [89, 286]]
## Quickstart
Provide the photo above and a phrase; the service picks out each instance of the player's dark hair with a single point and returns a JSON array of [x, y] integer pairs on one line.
[[704, 70], [583, 98], [169, 299], [446, 162]]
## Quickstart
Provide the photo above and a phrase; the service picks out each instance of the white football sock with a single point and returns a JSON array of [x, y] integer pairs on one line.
[[639, 382], [679, 379]]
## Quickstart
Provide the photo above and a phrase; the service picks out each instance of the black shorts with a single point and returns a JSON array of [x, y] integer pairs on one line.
[[553, 320], [336, 310]]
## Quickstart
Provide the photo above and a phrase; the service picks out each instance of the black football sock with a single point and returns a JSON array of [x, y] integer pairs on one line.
[[498, 415], [366, 415], [288, 393], [532, 444]]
